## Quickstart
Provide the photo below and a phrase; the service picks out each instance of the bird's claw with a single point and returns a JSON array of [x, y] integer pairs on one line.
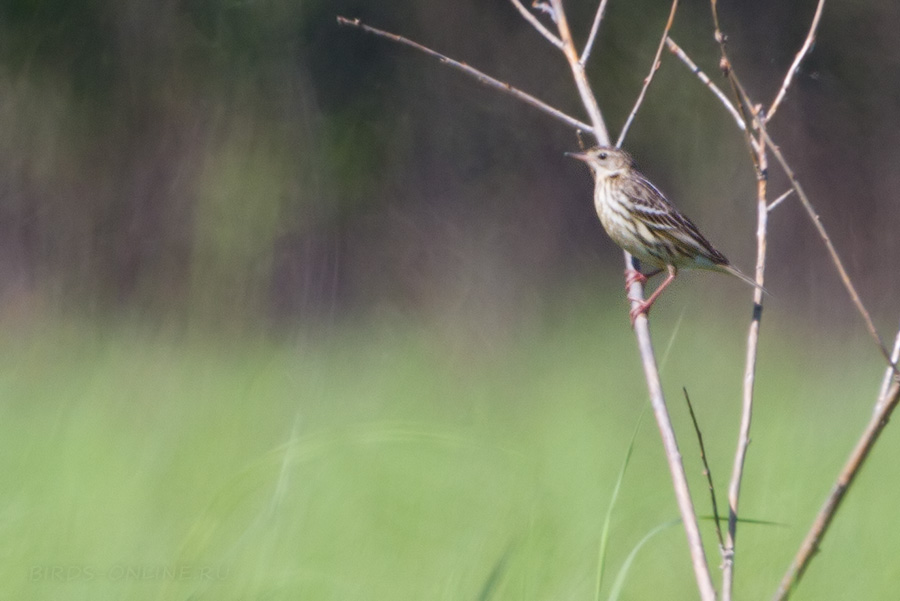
[[643, 307], [634, 276]]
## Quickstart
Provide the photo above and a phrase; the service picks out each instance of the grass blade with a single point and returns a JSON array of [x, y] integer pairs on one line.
[[604, 533]]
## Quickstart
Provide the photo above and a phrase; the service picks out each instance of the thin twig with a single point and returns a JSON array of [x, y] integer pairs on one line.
[[851, 468], [472, 72], [889, 372], [653, 68], [779, 200], [807, 45], [595, 27], [529, 16], [839, 265], [706, 471], [681, 54], [743, 443]]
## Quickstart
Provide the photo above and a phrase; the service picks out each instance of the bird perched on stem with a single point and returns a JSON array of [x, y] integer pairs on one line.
[[643, 222]]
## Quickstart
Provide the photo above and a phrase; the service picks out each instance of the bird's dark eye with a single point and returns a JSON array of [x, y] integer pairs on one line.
[[602, 156]]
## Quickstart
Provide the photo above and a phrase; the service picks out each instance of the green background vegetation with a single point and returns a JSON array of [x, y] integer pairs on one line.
[[311, 317]]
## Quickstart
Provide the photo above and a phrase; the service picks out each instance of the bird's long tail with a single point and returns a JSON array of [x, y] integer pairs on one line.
[[731, 269]]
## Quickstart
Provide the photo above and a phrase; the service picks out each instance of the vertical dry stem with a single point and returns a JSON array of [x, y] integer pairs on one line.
[[740, 455]]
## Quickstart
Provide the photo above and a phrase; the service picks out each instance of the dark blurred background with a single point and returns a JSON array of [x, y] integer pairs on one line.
[[306, 308], [245, 163]]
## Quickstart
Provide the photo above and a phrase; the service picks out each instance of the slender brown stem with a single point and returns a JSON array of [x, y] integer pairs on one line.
[[706, 471], [851, 468], [807, 45], [472, 72], [653, 69]]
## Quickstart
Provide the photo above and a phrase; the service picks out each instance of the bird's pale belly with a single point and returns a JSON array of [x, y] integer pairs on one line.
[[637, 241]]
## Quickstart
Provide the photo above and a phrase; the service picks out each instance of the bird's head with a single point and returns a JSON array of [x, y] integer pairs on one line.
[[604, 161]]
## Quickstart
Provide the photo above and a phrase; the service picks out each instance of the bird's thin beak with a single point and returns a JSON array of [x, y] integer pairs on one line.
[[577, 155]]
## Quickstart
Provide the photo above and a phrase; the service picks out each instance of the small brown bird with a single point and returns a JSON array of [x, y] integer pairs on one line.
[[643, 222]]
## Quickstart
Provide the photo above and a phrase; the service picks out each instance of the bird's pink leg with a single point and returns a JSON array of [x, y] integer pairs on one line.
[[633, 275], [644, 305]]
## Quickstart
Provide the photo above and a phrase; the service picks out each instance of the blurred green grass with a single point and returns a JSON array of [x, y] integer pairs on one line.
[[394, 460]]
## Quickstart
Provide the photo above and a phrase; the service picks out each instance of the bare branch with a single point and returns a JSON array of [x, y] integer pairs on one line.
[[706, 471], [851, 468], [677, 51], [472, 72], [839, 265], [779, 200], [595, 27], [653, 68], [807, 44], [529, 16]]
